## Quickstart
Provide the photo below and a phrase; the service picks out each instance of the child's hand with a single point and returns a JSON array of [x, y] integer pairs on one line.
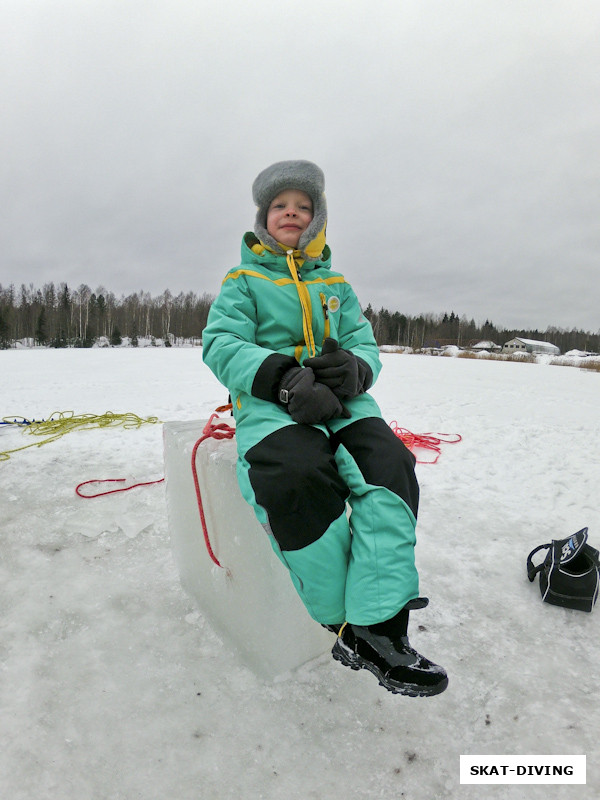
[[339, 370], [307, 401]]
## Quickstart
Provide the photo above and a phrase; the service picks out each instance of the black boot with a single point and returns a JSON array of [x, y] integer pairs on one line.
[[385, 651]]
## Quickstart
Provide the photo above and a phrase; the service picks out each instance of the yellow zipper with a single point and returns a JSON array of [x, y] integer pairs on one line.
[[325, 315], [305, 303]]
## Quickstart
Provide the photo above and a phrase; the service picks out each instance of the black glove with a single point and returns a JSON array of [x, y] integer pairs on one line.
[[340, 370], [306, 400]]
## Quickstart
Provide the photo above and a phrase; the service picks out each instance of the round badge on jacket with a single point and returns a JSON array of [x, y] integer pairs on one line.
[[333, 304]]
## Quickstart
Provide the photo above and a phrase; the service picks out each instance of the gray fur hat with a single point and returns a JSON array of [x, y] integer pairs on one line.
[[303, 175]]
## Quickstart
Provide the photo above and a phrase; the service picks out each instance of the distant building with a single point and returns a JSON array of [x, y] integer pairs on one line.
[[491, 347], [519, 345]]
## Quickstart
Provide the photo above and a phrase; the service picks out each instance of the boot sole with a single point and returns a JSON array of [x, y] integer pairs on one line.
[[351, 659]]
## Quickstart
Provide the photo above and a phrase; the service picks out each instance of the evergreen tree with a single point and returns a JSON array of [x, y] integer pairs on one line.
[[40, 328], [4, 332], [115, 337]]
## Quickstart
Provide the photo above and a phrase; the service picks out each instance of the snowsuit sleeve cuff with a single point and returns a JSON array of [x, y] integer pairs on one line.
[[268, 376], [365, 375]]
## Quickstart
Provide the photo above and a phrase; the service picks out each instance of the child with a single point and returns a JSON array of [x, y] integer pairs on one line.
[[286, 336]]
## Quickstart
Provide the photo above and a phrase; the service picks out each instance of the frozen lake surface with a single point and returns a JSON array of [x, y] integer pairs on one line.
[[114, 686]]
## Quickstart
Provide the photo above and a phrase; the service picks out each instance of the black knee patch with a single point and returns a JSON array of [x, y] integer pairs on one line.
[[295, 479], [382, 457]]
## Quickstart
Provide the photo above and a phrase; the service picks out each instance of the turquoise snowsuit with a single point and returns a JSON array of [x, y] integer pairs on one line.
[[301, 479]]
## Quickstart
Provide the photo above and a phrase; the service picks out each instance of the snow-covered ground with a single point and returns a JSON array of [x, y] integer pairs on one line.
[[114, 687]]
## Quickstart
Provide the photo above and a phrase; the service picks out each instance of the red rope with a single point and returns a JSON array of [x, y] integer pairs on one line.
[[111, 491], [424, 441], [220, 431]]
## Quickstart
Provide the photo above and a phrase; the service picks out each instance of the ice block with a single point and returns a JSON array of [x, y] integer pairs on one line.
[[250, 602]]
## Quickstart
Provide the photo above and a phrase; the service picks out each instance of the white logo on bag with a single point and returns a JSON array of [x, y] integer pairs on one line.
[[568, 548]]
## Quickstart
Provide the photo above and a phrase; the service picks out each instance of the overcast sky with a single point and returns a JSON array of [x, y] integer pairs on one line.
[[460, 142]]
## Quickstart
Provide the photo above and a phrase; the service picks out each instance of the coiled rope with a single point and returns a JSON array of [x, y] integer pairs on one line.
[[59, 423], [424, 441]]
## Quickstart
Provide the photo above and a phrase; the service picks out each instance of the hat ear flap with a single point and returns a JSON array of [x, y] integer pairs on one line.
[[314, 249], [312, 242], [260, 229]]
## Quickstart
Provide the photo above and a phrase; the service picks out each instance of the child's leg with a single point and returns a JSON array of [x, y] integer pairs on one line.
[[382, 578], [292, 480], [379, 471]]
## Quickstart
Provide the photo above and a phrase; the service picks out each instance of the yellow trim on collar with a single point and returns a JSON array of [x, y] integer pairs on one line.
[[259, 248], [314, 249], [254, 274], [280, 281]]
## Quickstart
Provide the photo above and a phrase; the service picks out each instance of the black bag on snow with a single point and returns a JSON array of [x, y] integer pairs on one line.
[[569, 575]]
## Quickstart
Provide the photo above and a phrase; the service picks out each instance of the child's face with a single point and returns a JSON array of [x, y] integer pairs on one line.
[[289, 215]]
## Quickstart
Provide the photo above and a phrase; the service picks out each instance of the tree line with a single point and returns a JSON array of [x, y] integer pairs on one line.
[[59, 316], [438, 330]]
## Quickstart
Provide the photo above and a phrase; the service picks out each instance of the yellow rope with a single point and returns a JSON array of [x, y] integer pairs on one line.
[[60, 423]]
